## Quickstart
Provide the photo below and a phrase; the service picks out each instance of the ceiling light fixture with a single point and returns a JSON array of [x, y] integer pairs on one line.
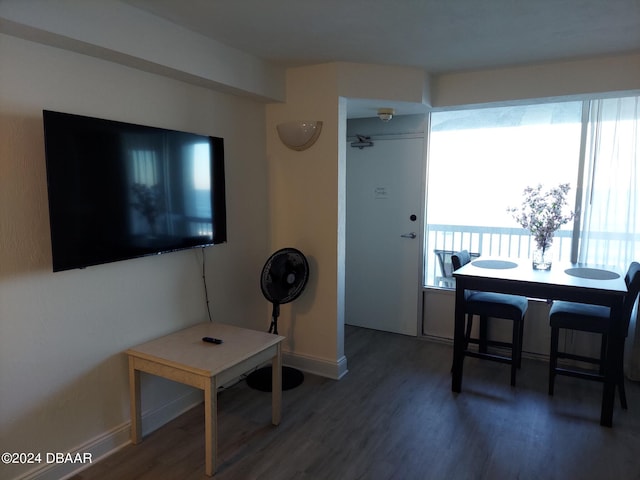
[[299, 134], [386, 114]]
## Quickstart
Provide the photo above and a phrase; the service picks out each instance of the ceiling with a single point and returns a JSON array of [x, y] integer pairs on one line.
[[439, 36]]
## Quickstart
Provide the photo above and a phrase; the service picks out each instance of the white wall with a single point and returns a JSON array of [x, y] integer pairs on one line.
[[63, 376], [590, 77], [304, 213], [119, 32]]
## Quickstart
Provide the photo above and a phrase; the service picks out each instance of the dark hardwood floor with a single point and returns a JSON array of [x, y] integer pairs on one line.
[[393, 416]]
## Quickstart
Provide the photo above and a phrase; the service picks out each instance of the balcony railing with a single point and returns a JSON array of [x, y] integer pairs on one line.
[[611, 248], [488, 241]]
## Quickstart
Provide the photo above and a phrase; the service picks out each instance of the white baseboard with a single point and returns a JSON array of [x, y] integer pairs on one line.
[[317, 366], [111, 441]]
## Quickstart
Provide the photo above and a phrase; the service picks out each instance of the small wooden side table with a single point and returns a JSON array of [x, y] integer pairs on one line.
[[183, 357]]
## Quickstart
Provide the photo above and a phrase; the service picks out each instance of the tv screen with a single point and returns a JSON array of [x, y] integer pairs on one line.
[[119, 191]]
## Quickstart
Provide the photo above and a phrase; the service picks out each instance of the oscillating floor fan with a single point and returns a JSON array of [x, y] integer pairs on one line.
[[283, 279]]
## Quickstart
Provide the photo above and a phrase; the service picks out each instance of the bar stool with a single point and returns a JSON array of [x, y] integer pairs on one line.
[[495, 305], [593, 319]]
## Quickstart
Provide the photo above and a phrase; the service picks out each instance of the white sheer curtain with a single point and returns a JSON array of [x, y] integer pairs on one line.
[[610, 212]]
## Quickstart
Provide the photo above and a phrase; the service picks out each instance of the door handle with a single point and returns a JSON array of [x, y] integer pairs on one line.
[[409, 235]]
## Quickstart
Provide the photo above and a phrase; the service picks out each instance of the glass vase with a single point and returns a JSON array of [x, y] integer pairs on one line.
[[542, 257]]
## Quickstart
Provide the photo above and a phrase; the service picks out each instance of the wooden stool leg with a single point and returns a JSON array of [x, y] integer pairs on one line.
[[623, 395], [483, 332], [553, 357], [467, 333], [621, 390], [521, 328], [515, 348], [603, 353]]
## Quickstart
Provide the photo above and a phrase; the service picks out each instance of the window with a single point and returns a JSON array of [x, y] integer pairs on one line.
[[480, 161]]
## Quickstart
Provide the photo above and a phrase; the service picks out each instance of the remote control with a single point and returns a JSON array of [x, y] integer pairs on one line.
[[217, 341]]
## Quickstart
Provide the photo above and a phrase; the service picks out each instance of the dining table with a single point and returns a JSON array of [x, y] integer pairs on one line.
[[574, 282]]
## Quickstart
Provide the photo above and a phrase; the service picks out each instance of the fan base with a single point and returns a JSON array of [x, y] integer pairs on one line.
[[261, 379]]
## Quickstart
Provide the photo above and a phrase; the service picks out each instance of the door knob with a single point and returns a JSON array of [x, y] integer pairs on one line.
[[409, 235]]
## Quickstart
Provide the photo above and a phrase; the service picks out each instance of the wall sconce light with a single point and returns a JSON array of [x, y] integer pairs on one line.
[[386, 114], [300, 134]]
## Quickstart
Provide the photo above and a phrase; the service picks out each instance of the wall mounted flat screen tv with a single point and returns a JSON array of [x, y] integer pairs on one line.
[[119, 191]]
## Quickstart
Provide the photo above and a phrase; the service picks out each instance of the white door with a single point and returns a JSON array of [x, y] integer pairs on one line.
[[384, 235]]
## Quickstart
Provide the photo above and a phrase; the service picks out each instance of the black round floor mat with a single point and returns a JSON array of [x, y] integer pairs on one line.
[[261, 379]]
